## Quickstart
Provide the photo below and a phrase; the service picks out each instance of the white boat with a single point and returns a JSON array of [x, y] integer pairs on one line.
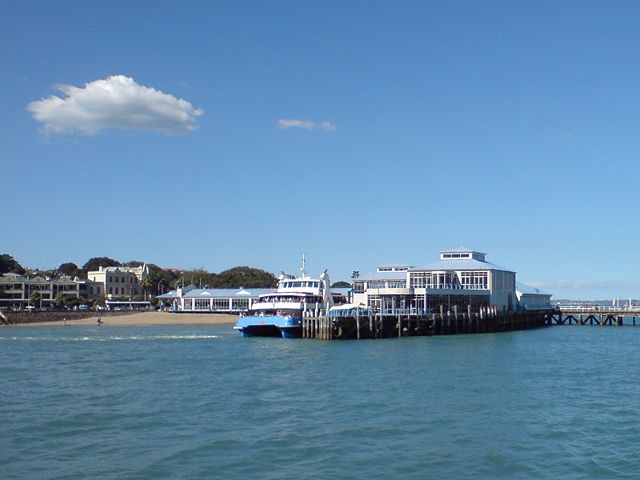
[[280, 313]]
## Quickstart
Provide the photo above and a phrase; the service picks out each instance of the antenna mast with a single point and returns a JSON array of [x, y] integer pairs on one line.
[[303, 269]]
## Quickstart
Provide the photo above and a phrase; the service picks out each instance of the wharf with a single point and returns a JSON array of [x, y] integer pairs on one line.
[[399, 324], [594, 315]]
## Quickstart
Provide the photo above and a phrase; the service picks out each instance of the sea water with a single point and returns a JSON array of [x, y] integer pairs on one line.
[[202, 402]]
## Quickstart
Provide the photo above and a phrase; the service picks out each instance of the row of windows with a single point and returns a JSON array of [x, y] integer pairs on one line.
[[120, 291], [473, 280], [382, 284], [226, 304], [434, 303], [456, 255], [122, 279], [311, 284]]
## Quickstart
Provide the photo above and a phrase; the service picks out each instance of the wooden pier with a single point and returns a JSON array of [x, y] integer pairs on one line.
[[372, 326], [572, 315]]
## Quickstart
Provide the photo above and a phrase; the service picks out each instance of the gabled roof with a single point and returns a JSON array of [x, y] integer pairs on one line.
[[226, 292], [13, 277], [529, 290], [171, 294], [460, 264], [37, 280]]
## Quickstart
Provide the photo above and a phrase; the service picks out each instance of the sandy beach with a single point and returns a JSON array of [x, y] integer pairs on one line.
[[146, 318]]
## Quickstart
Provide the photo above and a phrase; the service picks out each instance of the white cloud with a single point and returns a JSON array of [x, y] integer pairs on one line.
[[114, 102], [287, 123]]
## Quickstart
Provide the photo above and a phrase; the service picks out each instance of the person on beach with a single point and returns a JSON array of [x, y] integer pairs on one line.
[[64, 321], [99, 321]]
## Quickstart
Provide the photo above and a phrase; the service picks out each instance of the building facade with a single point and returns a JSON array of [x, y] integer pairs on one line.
[[17, 290], [120, 281], [212, 300], [461, 279]]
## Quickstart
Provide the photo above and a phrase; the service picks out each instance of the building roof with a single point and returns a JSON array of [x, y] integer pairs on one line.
[[461, 264], [13, 277], [382, 276], [461, 249], [529, 290], [38, 280], [119, 269], [168, 295], [226, 292], [230, 293]]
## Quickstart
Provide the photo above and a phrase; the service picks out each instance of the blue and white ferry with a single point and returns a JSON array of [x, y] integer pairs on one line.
[[279, 313]]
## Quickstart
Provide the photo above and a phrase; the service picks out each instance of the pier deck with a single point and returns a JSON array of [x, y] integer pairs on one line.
[[407, 325]]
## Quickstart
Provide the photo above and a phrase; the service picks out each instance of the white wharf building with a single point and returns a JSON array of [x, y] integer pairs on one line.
[[461, 278]]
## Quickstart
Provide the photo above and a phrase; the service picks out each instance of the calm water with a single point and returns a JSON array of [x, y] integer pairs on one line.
[[201, 402]]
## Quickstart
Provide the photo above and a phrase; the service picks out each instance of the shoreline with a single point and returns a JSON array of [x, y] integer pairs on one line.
[[140, 319]]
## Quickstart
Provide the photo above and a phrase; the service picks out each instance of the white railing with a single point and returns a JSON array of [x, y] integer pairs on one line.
[[599, 309], [451, 286]]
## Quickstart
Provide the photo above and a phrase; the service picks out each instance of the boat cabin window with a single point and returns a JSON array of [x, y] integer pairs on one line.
[[306, 284]]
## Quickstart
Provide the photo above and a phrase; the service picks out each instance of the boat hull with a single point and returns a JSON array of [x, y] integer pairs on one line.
[[269, 326]]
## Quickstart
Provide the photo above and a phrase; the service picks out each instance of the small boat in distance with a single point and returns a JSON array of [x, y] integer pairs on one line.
[[279, 313]]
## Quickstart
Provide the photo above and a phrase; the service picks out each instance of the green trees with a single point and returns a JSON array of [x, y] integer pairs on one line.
[[70, 269], [341, 284], [246, 277], [133, 263], [60, 299], [36, 299], [97, 262], [9, 264], [160, 280], [68, 300], [146, 284], [237, 277]]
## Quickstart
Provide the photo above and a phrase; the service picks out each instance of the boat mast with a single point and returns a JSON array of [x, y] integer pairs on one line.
[[303, 269]]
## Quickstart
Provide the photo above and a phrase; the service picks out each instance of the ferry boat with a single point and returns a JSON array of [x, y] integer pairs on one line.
[[279, 313]]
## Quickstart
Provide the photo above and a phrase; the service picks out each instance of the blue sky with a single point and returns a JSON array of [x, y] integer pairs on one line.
[[360, 132]]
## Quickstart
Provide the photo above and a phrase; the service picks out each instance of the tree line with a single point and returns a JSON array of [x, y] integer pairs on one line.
[[159, 280]]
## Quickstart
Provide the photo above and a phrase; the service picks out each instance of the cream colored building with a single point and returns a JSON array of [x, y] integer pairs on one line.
[[120, 281]]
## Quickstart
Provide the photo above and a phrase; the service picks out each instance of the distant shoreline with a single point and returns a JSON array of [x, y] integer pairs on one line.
[[139, 319]]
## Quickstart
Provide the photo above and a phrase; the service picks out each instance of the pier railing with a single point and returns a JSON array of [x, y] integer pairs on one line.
[[625, 310]]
